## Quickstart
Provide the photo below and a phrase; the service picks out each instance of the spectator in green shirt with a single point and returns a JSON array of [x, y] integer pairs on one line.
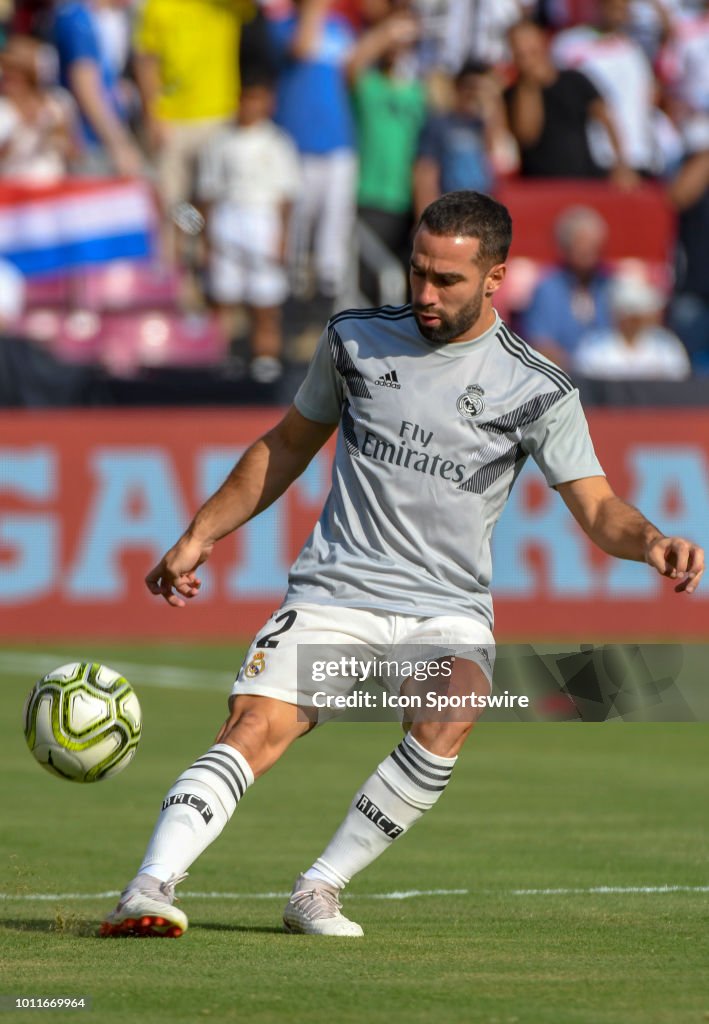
[[390, 110]]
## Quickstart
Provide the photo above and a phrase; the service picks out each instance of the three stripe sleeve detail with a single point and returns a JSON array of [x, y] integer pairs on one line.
[[514, 346]]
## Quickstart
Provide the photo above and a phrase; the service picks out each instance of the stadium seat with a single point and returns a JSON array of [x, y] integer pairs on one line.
[[641, 222], [53, 290], [121, 285], [126, 285], [71, 337], [129, 341]]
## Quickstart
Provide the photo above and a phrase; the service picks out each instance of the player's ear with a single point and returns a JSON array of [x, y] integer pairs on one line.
[[494, 278]]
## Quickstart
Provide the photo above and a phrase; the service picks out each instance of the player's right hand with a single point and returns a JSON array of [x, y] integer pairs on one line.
[[173, 578]]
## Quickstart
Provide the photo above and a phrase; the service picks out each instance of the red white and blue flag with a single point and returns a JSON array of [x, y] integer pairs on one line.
[[78, 222]]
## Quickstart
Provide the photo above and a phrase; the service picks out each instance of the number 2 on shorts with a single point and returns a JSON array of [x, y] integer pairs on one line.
[[287, 618]]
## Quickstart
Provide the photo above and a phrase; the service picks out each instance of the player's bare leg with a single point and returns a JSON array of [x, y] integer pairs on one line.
[[403, 787], [266, 343], [444, 736], [196, 809], [262, 728], [231, 318]]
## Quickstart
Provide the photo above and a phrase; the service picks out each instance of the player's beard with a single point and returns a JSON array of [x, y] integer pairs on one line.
[[453, 326]]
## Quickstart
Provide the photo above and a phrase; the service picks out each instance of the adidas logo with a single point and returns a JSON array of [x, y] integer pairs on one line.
[[389, 380]]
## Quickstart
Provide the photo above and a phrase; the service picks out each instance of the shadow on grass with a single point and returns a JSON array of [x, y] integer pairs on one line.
[[211, 926], [81, 928], [59, 925]]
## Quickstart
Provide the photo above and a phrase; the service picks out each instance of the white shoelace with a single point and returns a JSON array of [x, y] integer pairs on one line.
[[317, 897], [168, 888]]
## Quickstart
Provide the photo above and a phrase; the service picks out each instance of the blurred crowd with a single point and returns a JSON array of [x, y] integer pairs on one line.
[[272, 131]]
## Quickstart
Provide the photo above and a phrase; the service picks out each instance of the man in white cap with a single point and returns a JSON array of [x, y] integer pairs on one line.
[[637, 347]]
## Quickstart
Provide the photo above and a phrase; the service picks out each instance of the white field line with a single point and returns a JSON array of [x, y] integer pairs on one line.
[[141, 674], [599, 890], [611, 890]]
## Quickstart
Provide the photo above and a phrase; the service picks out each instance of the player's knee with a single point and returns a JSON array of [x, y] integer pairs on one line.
[[251, 726], [261, 729], [442, 738], [249, 731]]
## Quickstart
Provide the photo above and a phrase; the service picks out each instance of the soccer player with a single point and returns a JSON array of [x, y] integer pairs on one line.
[[438, 406]]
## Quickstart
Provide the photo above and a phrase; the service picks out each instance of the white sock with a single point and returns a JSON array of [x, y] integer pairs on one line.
[[401, 790], [195, 811]]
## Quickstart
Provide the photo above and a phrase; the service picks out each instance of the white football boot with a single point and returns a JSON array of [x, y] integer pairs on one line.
[[145, 910], [314, 909]]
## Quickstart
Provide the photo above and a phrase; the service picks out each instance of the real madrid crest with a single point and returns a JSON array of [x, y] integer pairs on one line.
[[471, 403], [256, 665]]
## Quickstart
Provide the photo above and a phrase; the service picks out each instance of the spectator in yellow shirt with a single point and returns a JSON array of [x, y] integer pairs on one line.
[[187, 68]]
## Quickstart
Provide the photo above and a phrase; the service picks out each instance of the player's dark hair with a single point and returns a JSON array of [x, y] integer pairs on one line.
[[471, 67], [258, 78], [471, 215]]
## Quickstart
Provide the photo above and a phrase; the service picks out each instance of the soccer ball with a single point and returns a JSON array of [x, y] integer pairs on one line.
[[83, 722]]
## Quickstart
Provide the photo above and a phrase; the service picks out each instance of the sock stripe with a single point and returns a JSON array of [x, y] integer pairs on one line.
[[212, 758], [419, 759], [232, 764], [415, 778], [415, 757], [245, 784], [434, 775], [221, 775], [433, 760]]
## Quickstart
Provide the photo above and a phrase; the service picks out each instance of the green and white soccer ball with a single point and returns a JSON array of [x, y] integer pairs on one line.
[[83, 722]]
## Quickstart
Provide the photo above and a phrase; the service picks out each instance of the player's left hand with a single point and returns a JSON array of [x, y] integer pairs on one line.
[[678, 559]]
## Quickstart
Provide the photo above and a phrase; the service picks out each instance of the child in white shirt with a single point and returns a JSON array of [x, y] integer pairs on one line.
[[249, 175]]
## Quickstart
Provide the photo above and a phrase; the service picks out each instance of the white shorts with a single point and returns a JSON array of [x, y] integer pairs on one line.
[[243, 264], [270, 668]]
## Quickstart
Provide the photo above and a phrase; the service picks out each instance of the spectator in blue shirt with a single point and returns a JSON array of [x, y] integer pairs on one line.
[[86, 71], [313, 48], [459, 149], [573, 298]]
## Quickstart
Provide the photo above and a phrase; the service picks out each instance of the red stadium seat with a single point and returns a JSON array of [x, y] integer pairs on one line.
[[641, 222], [129, 341], [126, 285], [73, 337]]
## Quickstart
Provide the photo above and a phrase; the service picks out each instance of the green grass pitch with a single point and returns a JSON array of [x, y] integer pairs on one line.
[[531, 807]]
